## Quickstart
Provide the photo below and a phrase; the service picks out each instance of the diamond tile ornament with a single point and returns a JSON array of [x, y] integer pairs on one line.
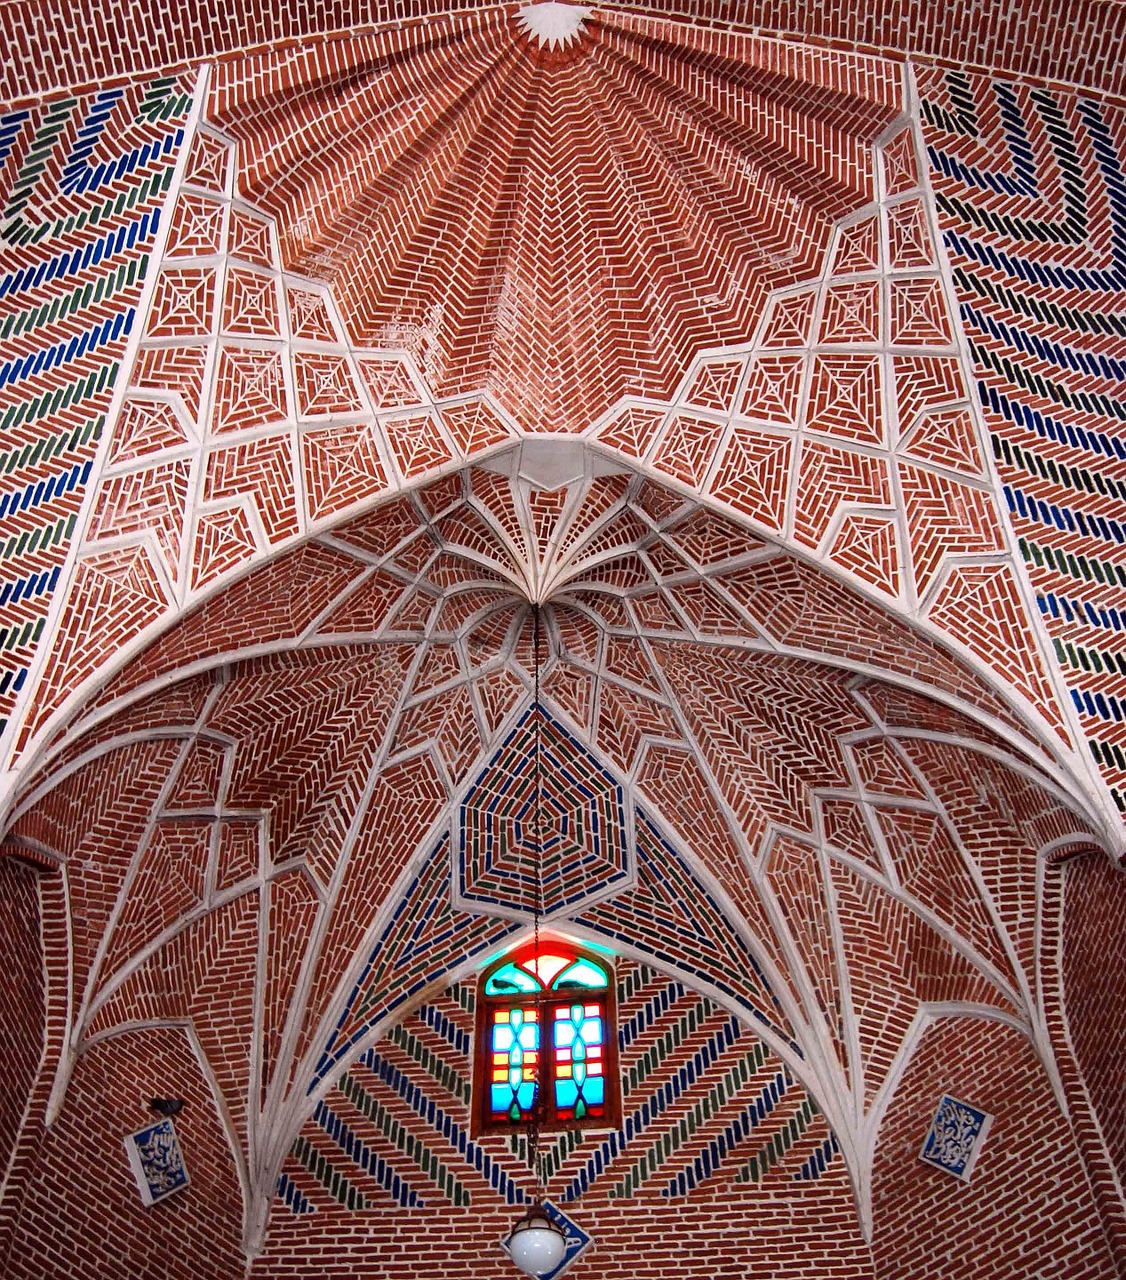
[[955, 1137], [587, 840], [157, 1161], [577, 1239]]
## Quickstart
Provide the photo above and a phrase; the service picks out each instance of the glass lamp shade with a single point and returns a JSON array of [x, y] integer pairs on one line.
[[536, 1244]]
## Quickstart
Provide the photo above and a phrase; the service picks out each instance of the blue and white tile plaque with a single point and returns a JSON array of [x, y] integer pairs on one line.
[[157, 1161], [955, 1137]]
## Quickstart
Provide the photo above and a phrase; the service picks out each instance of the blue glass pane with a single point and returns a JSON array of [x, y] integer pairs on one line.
[[566, 1092], [583, 973], [594, 1090], [511, 980], [592, 1031]]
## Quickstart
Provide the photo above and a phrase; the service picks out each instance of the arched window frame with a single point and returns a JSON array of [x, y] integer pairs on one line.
[[546, 1002]]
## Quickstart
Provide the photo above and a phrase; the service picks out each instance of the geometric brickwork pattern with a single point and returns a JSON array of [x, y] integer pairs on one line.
[[248, 419], [428, 354], [845, 426], [497, 228], [843, 429], [823, 854], [83, 183], [582, 847], [703, 1100], [1041, 284], [454, 564], [1075, 40]]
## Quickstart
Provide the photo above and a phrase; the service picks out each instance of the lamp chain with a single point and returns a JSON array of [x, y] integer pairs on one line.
[[535, 1159]]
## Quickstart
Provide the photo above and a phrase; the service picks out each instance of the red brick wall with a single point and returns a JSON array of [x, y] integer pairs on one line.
[[21, 996], [1094, 986], [719, 1223], [797, 1232], [81, 1214], [1028, 1209]]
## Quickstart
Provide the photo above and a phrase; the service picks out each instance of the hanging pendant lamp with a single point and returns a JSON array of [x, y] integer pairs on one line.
[[535, 1244]]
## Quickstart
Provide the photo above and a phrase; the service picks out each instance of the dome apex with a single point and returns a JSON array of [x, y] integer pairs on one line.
[[553, 25]]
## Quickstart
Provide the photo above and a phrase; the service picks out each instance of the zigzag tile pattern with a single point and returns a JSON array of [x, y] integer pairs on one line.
[[249, 419], [844, 425], [395, 1127], [1041, 282], [83, 182], [842, 428]]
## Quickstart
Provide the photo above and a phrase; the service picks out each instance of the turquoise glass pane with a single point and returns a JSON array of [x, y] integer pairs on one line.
[[511, 980], [564, 1034], [583, 973], [592, 1031], [513, 1062], [566, 1092], [594, 1091]]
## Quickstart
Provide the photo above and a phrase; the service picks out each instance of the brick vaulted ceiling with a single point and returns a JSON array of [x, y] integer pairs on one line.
[[827, 822], [647, 327], [564, 225]]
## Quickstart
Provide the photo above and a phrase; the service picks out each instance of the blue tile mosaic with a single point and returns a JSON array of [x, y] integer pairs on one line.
[[955, 1137]]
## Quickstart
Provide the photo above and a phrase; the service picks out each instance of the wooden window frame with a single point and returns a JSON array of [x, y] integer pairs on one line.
[[483, 1120]]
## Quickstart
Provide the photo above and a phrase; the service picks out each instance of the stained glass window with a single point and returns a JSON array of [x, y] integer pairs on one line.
[[566, 998], [577, 1041], [515, 1061]]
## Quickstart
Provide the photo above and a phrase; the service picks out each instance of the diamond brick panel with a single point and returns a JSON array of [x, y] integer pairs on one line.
[[213, 462], [543, 791], [1039, 280], [848, 430], [432, 227]]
